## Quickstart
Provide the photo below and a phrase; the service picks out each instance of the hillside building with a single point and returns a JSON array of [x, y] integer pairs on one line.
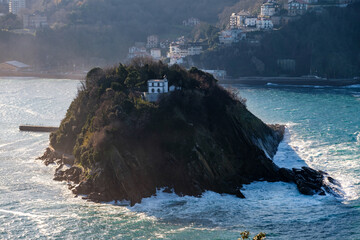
[[138, 50], [231, 36], [269, 9], [35, 21], [15, 6], [191, 22], [250, 22], [297, 7], [194, 50], [152, 41], [237, 20], [234, 21], [178, 52], [264, 24], [155, 53], [156, 87]]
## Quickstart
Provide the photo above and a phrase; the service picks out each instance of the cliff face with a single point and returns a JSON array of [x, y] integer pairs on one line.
[[199, 138]]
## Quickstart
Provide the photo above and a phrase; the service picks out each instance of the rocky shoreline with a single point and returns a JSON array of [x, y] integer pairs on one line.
[[307, 180]]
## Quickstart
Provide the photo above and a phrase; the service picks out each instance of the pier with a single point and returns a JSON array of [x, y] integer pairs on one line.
[[29, 128]]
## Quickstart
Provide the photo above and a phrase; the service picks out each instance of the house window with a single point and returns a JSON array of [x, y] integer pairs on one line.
[[158, 90], [153, 90]]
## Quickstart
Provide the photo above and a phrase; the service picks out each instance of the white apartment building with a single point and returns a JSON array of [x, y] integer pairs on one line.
[[15, 6], [269, 9], [234, 21], [155, 53], [231, 36], [297, 7], [177, 51], [250, 22], [137, 51], [194, 50], [237, 20], [264, 23], [191, 22], [152, 41]]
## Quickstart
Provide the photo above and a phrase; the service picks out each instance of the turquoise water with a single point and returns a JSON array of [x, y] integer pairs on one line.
[[323, 132]]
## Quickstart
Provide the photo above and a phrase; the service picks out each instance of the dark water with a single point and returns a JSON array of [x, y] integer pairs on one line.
[[323, 132]]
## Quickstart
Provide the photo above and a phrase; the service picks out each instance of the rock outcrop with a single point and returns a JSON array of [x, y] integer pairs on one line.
[[198, 138]]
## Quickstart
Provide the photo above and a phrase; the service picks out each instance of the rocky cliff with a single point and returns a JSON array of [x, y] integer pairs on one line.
[[114, 145]]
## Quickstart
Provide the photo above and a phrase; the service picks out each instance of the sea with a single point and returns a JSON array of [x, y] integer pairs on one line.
[[322, 131]]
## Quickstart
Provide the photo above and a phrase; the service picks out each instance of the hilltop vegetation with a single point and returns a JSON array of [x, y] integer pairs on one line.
[[326, 44], [198, 138]]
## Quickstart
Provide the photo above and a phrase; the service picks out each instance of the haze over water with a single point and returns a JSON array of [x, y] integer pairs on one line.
[[323, 132]]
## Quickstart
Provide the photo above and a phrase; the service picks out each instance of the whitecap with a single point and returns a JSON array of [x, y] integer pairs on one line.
[[272, 84], [357, 136]]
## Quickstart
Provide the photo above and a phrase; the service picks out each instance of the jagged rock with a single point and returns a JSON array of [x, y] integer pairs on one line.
[[286, 175]]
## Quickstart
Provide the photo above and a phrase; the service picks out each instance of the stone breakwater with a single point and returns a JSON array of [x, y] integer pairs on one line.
[[27, 128]]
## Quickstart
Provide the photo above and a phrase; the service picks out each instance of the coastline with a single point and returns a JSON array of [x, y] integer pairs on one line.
[[72, 76], [251, 81], [295, 81]]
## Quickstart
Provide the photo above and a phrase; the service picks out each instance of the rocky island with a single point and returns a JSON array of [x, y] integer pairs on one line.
[[113, 144]]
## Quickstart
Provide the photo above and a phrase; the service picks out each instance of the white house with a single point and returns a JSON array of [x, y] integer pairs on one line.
[[158, 86], [15, 6]]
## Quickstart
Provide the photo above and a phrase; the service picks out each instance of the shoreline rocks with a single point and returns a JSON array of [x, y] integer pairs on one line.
[[307, 180]]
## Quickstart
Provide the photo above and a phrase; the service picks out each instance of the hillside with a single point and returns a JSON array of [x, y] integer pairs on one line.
[[95, 32], [326, 44]]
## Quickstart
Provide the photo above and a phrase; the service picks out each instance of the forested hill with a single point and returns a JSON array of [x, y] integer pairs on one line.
[[129, 12], [94, 32], [326, 44]]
